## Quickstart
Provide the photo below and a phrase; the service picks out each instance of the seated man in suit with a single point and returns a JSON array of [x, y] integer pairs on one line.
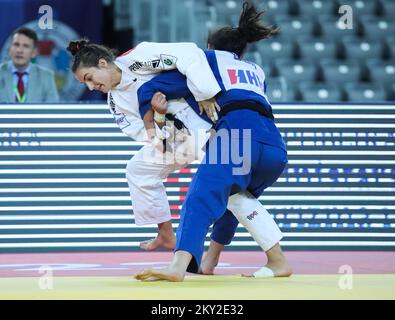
[[20, 80]]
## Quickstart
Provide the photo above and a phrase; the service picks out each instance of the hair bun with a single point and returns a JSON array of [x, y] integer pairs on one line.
[[75, 46]]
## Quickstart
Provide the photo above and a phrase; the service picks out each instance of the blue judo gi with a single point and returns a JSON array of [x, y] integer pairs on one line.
[[248, 128]]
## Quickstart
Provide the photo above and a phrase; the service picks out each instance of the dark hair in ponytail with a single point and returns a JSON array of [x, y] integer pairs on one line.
[[250, 29], [87, 54]]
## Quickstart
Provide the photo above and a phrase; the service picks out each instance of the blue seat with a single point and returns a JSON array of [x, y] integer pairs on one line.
[[320, 92], [274, 8], [314, 8], [381, 71], [365, 92], [275, 48], [377, 27], [277, 91], [227, 11], [295, 71], [315, 49], [388, 8], [330, 27], [361, 7], [360, 50], [390, 48], [333, 71], [292, 27]]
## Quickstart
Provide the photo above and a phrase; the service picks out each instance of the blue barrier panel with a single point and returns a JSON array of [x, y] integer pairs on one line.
[[63, 185]]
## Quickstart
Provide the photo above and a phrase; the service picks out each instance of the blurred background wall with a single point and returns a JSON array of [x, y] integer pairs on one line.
[[314, 58]]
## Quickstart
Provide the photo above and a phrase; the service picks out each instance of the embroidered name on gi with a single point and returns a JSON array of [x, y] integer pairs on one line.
[[146, 64]]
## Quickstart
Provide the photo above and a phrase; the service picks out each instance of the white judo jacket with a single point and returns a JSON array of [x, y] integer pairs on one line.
[[141, 63]]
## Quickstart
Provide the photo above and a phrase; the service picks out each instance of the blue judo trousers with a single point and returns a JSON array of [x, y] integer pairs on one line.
[[213, 183]]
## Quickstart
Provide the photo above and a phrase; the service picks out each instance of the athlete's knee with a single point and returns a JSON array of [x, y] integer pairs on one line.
[[139, 174], [224, 228], [236, 202]]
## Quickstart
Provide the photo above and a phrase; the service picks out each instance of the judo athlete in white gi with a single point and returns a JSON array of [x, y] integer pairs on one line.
[[120, 78], [244, 108]]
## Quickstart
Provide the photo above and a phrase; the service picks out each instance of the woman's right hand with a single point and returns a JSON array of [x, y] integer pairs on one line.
[[211, 107], [159, 103]]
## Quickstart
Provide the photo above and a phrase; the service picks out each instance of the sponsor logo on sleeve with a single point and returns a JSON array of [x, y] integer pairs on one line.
[[168, 60], [155, 63], [152, 64], [135, 66], [119, 117], [252, 215]]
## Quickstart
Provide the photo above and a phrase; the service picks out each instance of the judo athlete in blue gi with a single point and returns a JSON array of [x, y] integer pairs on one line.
[[246, 154], [129, 82]]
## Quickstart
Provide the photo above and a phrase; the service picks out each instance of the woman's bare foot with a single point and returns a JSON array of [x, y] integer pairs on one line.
[[211, 258], [165, 238], [160, 274], [158, 242], [279, 268], [207, 266], [175, 272], [271, 270], [277, 265]]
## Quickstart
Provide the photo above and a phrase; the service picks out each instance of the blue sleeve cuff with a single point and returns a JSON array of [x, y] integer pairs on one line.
[[143, 109]]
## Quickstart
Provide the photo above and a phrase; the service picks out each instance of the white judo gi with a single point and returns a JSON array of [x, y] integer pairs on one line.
[[147, 169]]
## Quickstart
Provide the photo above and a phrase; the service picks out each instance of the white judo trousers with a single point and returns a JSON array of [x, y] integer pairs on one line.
[[146, 171]]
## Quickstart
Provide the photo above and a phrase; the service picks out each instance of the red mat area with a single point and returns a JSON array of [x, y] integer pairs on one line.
[[127, 263]]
